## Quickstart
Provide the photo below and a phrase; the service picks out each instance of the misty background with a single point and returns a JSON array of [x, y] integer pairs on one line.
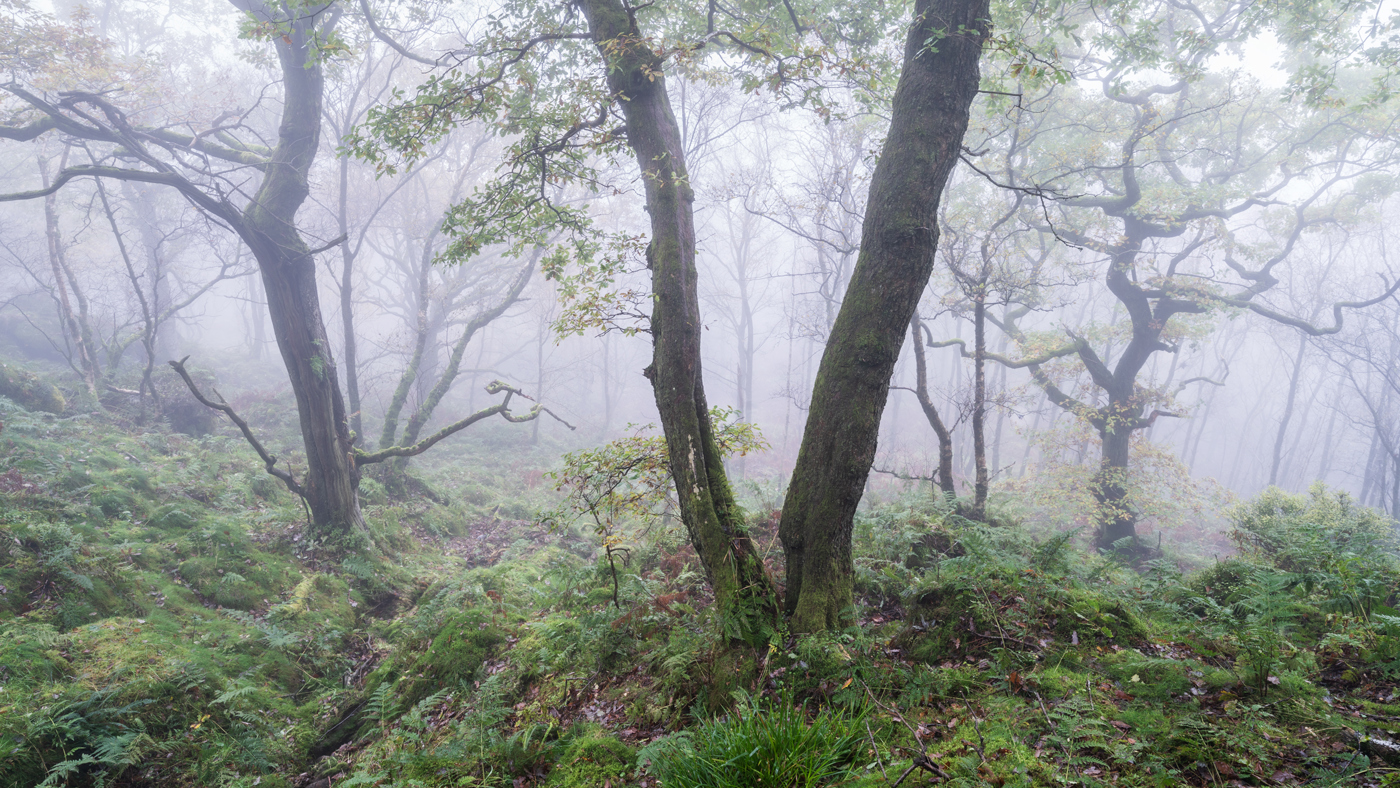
[[1244, 401]]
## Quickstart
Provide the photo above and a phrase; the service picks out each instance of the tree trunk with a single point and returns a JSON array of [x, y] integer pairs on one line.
[[900, 235], [289, 279], [75, 325], [1116, 518], [142, 197], [1394, 486], [347, 304], [1000, 386], [945, 437], [1288, 407], [147, 388], [979, 407], [1325, 464], [744, 592], [425, 409], [390, 430]]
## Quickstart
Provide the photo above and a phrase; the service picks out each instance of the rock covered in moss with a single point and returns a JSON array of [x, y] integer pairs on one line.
[[960, 617], [29, 390]]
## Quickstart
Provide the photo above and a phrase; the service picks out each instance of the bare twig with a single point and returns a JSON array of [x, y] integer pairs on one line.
[[269, 460], [502, 407], [875, 748], [921, 761], [330, 244]]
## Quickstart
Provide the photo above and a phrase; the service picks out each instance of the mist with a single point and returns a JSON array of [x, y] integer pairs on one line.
[[727, 285]]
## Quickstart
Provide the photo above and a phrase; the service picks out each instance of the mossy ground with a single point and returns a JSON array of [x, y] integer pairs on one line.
[[162, 623]]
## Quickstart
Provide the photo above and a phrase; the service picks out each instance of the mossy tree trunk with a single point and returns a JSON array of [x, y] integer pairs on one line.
[[744, 591], [900, 235], [289, 277]]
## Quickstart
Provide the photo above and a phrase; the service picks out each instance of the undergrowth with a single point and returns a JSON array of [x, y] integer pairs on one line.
[[163, 623]]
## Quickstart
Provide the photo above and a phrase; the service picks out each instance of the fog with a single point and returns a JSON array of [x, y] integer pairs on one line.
[[1278, 203]]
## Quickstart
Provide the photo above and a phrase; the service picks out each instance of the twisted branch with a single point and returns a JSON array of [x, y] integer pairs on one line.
[[269, 460], [503, 408]]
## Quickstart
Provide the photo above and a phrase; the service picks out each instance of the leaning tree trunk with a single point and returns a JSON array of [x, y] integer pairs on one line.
[[289, 277], [744, 592], [898, 240]]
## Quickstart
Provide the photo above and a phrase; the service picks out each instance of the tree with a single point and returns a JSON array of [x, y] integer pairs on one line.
[[566, 110], [899, 238], [255, 191], [1210, 185], [266, 222]]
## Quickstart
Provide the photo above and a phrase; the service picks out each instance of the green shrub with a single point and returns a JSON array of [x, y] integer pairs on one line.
[[1313, 532], [592, 758], [774, 747]]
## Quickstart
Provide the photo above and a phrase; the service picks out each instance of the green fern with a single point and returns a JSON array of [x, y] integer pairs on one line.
[[380, 707], [1078, 732]]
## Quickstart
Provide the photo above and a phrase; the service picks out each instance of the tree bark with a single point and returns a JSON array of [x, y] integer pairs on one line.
[[979, 407], [289, 280], [744, 592], [900, 235]]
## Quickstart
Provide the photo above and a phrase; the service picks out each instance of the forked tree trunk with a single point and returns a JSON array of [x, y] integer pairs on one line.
[[744, 592], [75, 324], [945, 482], [899, 237]]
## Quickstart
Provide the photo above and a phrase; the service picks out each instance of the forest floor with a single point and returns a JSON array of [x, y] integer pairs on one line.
[[163, 623]]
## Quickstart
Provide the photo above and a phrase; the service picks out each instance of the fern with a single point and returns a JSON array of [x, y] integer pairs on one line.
[[380, 707], [235, 693], [58, 774], [1079, 733], [414, 718]]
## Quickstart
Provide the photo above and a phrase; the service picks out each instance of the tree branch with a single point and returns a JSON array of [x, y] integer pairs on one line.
[[1203, 379], [503, 408], [1009, 363], [330, 244], [188, 189], [28, 131], [903, 476], [394, 45], [1299, 323], [268, 459]]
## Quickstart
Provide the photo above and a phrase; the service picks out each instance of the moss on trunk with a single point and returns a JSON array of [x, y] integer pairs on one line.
[[898, 241]]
